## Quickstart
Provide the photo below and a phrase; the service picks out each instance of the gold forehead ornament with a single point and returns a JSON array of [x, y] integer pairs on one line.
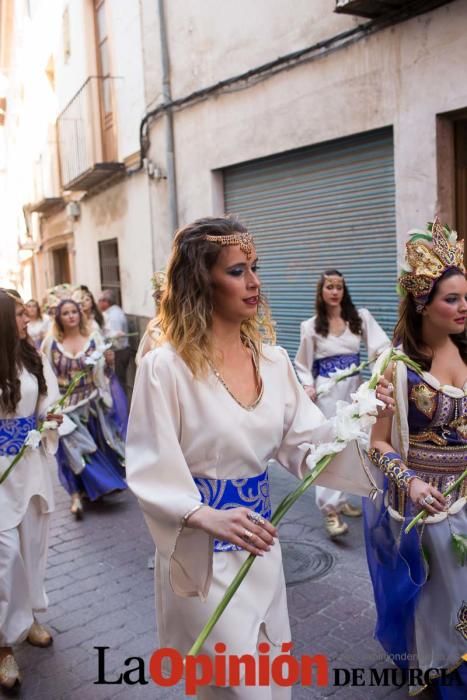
[[244, 240]]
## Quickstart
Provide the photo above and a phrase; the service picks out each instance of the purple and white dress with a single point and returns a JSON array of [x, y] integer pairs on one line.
[[91, 453]]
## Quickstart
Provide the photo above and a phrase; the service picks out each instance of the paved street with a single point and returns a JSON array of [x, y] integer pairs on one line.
[[101, 594]]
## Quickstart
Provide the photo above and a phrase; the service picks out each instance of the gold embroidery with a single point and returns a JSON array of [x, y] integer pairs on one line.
[[424, 399], [462, 617], [429, 436], [460, 426]]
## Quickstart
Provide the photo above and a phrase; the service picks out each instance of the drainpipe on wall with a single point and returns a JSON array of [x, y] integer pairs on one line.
[[169, 130]]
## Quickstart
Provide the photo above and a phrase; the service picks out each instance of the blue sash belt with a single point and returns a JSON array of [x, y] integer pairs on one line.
[[222, 494], [325, 366], [13, 432]]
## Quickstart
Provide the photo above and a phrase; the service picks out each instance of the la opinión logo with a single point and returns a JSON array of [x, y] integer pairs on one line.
[[222, 670]]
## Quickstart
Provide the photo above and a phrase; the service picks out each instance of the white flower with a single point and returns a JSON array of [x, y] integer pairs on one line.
[[334, 377], [325, 386], [33, 439], [93, 358], [347, 422], [50, 425], [365, 402], [324, 449]]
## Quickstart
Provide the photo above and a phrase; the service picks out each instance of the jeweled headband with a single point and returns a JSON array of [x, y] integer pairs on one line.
[[244, 240], [428, 255], [16, 299]]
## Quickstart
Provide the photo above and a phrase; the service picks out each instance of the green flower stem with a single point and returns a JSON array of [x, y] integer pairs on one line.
[[279, 513], [13, 463], [423, 513], [58, 405], [70, 389], [281, 510], [351, 373]]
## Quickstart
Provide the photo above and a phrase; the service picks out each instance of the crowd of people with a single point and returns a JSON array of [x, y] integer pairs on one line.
[[214, 401]]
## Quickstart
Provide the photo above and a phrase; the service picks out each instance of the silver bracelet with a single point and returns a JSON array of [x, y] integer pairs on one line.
[[190, 513]]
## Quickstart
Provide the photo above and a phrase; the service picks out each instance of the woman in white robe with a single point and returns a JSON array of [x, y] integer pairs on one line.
[[331, 341], [26, 495], [210, 408]]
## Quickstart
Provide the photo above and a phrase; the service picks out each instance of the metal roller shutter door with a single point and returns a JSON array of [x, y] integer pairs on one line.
[[330, 205]]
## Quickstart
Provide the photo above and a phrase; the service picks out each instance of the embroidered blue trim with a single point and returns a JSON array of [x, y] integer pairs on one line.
[[252, 493], [13, 432], [326, 365]]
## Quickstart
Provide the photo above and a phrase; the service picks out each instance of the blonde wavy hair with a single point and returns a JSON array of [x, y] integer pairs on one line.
[[58, 330], [186, 307]]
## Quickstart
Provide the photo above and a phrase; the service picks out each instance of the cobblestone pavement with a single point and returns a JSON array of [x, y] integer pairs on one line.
[[101, 594]]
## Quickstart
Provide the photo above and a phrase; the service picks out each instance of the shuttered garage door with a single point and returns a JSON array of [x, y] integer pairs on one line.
[[330, 205]]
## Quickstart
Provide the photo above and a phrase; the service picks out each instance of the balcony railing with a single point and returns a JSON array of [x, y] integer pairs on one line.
[[86, 137], [381, 9]]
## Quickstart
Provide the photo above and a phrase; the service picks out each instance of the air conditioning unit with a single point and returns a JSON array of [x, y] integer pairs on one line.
[[73, 210]]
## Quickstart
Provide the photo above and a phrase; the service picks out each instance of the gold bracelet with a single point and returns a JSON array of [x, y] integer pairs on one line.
[[190, 513]]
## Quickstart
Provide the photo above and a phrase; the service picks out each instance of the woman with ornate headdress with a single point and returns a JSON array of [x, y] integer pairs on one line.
[[420, 578], [28, 389], [96, 325], [212, 404], [91, 451], [331, 341]]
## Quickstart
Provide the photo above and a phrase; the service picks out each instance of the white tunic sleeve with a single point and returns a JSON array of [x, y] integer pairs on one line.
[[159, 475], [373, 335], [305, 353], [305, 426]]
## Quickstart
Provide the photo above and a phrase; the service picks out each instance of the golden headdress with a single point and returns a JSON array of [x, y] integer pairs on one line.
[[428, 255], [55, 295]]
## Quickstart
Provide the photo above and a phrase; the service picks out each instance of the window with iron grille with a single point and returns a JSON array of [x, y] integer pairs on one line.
[[109, 267]]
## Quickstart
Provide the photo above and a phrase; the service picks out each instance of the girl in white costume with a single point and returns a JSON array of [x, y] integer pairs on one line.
[[37, 326], [211, 406], [331, 341], [27, 389]]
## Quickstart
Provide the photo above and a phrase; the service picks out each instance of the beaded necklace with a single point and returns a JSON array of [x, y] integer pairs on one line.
[[259, 382]]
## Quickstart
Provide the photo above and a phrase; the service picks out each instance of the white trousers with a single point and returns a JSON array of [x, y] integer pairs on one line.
[[23, 558], [272, 692], [329, 500]]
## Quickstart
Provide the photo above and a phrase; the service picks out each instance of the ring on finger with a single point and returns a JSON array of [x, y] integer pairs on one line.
[[247, 535], [255, 517], [429, 499]]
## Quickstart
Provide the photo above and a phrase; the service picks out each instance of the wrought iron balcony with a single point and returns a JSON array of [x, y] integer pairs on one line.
[[381, 9], [86, 137]]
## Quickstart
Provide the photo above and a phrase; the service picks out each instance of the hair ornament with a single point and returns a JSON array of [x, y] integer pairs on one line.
[[244, 240], [159, 280], [59, 293], [16, 297], [428, 255]]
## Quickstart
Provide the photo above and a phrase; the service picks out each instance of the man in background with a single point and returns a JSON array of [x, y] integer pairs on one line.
[[116, 327]]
